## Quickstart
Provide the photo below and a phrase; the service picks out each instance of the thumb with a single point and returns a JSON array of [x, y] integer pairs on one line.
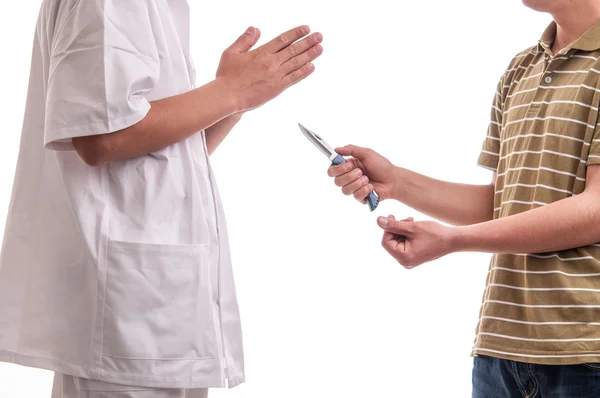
[[409, 219], [245, 41], [353, 150], [392, 237], [397, 227]]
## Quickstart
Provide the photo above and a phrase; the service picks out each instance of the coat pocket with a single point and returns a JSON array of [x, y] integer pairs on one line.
[[158, 307]]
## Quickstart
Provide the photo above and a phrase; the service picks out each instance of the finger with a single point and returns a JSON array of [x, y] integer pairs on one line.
[[348, 178], [334, 171], [285, 39], [300, 47], [245, 41], [298, 75], [256, 38], [409, 219], [392, 245], [355, 186], [388, 236], [396, 237], [397, 227], [302, 59], [362, 193], [353, 150]]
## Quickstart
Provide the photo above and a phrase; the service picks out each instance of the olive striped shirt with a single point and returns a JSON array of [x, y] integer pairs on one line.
[[544, 307]]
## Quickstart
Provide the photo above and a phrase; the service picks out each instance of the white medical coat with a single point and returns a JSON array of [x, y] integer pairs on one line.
[[120, 272]]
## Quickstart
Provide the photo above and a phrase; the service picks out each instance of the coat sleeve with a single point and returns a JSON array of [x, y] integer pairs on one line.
[[103, 64]]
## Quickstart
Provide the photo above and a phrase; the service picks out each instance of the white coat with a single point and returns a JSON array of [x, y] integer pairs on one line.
[[121, 272]]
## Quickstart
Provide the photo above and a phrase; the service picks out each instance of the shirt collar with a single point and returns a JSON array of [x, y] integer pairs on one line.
[[547, 37], [589, 41]]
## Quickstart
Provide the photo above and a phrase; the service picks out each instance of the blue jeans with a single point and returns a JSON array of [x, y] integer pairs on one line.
[[500, 378]]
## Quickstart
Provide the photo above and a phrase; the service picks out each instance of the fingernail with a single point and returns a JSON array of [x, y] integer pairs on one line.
[[249, 30], [318, 37], [305, 29], [383, 221]]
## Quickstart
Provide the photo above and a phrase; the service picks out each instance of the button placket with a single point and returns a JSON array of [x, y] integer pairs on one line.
[[534, 106], [551, 64], [547, 64], [554, 63]]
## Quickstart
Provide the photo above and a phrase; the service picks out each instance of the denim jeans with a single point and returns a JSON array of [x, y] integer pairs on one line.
[[500, 378]]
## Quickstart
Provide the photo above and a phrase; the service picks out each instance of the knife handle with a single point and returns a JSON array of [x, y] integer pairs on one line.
[[372, 199]]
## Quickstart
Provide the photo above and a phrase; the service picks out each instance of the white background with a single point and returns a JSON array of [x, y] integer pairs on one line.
[[326, 312]]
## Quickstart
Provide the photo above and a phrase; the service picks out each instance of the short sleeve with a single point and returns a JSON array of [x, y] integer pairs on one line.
[[594, 154], [490, 152], [103, 64]]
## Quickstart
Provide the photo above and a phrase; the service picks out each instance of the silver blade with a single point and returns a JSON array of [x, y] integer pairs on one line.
[[318, 142]]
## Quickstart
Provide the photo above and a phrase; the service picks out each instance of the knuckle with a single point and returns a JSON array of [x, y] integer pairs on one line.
[[291, 51], [282, 39]]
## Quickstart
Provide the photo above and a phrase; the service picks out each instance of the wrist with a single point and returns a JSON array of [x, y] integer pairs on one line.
[[463, 238], [230, 98], [399, 184]]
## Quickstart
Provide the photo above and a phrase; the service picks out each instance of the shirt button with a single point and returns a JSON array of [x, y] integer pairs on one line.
[[548, 79]]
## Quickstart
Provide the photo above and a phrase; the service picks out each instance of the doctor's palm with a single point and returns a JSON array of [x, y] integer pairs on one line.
[[255, 77]]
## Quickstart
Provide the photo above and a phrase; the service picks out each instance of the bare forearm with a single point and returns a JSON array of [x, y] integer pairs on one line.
[[452, 203], [169, 121], [566, 224], [217, 132]]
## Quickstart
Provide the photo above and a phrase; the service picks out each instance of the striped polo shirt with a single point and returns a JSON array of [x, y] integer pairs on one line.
[[544, 307]]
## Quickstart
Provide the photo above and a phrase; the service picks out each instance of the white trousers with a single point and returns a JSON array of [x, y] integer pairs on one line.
[[75, 387]]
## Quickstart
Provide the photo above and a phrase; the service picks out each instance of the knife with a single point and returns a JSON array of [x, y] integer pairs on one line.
[[336, 159]]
